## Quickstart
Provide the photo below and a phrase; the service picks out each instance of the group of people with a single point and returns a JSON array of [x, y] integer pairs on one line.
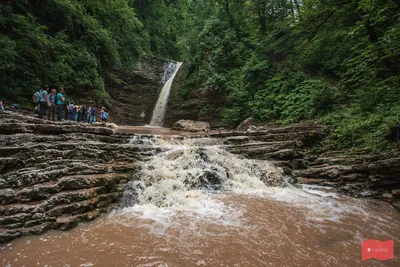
[[81, 113], [53, 103]]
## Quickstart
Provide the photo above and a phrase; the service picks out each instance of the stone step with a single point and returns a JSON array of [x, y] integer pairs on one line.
[[68, 222], [326, 172], [63, 197], [43, 190], [24, 138], [54, 129], [21, 223], [9, 234]]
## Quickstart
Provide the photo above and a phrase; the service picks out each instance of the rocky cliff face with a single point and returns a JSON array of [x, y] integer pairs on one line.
[[183, 106], [135, 93]]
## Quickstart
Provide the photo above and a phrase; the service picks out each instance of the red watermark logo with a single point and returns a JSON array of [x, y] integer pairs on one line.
[[375, 249]]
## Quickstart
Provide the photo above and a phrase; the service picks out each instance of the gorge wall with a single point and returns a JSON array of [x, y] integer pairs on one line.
[[134, 93], [181, 105]]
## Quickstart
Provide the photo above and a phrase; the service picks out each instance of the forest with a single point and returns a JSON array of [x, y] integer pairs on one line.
[[283, 61]]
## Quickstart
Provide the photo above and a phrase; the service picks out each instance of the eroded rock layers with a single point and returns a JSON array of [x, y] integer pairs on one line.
[[293, 149], [56, 175]]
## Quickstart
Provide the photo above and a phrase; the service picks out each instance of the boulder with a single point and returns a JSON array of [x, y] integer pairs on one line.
[[396, 192], [191, 126], [244, 126], [387, 195]]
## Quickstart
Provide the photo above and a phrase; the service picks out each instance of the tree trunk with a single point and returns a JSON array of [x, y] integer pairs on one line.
[[228, 12], [263, 20], [297, 5], [372, 37]]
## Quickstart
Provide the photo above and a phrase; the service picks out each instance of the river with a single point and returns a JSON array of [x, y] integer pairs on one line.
[[197, 205]]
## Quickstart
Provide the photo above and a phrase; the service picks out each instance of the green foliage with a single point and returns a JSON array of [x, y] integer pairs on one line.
[[290, 98], [286, 62], [74, 44], [353, 128]]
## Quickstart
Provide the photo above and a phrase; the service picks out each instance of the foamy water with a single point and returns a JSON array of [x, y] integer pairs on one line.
[[194, 204]]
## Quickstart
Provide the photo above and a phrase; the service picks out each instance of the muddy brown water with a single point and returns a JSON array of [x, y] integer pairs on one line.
[[280, 227]]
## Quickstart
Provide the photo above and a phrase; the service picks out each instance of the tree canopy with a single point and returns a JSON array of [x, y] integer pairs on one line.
[[291, 60]]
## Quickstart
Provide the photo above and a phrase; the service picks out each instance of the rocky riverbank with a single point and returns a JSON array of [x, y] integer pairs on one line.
[[55, 175], [293, 148]]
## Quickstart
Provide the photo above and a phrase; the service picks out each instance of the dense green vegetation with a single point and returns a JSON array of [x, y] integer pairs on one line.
[[290, 60], [275, 60], [78, 44]]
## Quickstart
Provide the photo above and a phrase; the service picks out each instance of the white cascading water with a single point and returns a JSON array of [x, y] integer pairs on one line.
[[187, 176], [158, 116]]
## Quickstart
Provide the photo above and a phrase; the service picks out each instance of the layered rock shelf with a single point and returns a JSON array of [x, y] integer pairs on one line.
[[293, 148], [54, 175]]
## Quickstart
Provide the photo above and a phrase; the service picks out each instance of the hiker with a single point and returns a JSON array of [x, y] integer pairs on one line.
[[43, 100], [53, 108], [2, 106], [83, 113], [60, 104], [88, 114], [104, 116], [71, 109], [75, 113], [78, 113], [93, 114], [66, 105], [102, 111]]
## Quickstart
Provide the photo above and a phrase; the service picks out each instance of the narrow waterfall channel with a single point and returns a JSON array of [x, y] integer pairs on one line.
[[195, 204], [158, 116]]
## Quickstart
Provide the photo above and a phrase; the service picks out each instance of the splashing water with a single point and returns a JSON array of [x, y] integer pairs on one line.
[[187, 177], [161, 106], [194, 204]]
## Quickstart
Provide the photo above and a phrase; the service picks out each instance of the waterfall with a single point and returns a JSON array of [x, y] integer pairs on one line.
[[161, 106], [184, 175]]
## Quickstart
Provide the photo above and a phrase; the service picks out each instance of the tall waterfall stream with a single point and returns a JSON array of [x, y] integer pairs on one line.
[[194, 204], [160, 109]]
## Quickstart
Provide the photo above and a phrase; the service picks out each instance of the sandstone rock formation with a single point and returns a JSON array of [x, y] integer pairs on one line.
[[291, 148], [54, 175], [191, 126]]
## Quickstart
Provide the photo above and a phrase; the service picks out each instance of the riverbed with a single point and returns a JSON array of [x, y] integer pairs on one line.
[[273, 227]]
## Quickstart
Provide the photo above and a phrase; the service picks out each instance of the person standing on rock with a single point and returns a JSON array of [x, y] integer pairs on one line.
[[44, 99], [60, 104], [93, 114], [1, 105], [53, 108], [83, 113], [71, 110], [104, 116]]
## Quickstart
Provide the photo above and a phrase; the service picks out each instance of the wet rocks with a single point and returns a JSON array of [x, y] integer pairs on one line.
[[191, 126], [291, 147], [245, 125], [55, 175], [237, 140]]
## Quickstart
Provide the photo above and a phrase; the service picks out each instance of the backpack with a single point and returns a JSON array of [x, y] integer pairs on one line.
[[52, 98], [36, 97]]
